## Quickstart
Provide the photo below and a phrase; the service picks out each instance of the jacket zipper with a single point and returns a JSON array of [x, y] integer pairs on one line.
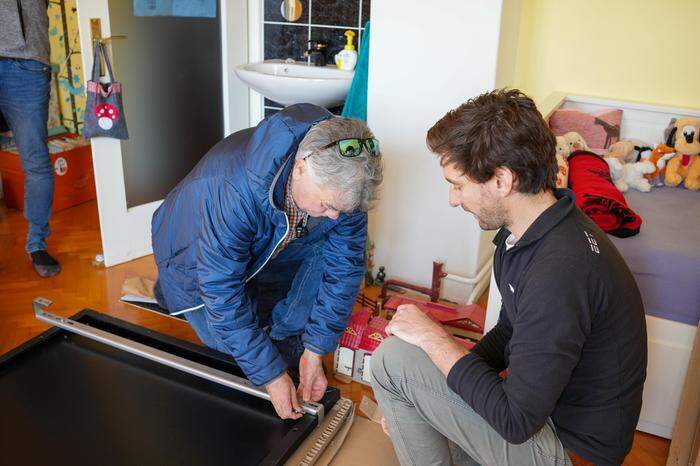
[[286, 232], [193, 308]]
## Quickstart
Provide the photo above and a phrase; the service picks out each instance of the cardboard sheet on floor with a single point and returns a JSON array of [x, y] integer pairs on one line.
[[358, 441], [138, 292], [365, 444]]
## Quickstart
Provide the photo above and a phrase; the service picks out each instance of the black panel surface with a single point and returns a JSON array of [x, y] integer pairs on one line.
[[65, 399]]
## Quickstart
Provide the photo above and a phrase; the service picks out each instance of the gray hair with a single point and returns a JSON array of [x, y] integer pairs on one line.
[[355, 179]]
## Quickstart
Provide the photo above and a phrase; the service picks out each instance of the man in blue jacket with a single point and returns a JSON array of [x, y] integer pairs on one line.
[[262, 246]]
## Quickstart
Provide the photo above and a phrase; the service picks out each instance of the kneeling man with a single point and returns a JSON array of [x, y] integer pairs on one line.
[[571, 336], [262, 245]]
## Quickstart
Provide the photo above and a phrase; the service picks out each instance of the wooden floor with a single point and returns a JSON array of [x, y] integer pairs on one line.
[[74, 242]]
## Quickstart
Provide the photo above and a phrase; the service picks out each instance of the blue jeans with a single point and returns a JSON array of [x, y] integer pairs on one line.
[[24, 102], [283, 294]]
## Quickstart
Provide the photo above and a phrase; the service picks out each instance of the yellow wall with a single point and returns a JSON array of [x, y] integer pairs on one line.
[[640, 50], [58, 36]]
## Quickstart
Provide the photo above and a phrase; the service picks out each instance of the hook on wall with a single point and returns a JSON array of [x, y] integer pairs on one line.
[[96, 34]]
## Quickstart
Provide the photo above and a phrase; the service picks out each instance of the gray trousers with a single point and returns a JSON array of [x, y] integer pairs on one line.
[[430, 425]]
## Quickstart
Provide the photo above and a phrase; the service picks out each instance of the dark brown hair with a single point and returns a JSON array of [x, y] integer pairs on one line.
[[502, 128]]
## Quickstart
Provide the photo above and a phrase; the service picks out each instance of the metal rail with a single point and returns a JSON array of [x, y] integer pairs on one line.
[[162, 357]]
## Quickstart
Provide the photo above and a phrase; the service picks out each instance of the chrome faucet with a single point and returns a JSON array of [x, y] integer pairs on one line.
[[316, 52]]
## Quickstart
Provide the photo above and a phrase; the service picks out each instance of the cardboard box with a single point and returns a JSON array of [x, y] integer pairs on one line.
[[73, 174], [373, 336], [344, 360], [364, 333]]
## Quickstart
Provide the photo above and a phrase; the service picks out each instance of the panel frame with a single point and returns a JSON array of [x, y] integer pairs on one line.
[[204, 355]]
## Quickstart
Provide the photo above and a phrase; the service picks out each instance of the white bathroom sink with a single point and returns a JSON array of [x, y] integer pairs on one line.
[[293, 83]]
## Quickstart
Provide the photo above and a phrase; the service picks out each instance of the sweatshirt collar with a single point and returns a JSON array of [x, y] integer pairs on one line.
[[545, 222]]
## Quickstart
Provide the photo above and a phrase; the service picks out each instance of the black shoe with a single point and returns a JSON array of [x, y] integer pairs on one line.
[[45, 265]]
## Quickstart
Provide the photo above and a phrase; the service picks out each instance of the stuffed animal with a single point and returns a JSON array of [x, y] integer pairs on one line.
[[562, 154], [630, 175], [684, 137], [622, 151], [659, 157], [575, 141], [629, 150]]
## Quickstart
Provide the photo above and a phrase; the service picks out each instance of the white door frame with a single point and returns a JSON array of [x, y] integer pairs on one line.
[[126, 232], [256, 53]]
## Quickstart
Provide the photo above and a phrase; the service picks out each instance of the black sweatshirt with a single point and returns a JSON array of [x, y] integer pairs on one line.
[[572, 335]]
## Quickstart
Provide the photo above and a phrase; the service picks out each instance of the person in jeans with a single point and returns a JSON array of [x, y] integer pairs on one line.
[[560, 376], [24, 101], [261, 247]]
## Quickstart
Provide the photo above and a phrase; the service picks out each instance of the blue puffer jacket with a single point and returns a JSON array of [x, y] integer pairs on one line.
[[219, 226]]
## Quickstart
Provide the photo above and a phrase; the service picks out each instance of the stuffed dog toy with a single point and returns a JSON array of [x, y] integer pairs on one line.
[[684, 137]]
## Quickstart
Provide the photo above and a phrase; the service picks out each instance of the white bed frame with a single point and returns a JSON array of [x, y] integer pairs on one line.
[[669, 342]]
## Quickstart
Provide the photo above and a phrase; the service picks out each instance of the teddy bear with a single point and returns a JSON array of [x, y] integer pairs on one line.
[[622, 151], [630, 175], [562, 154], [575, 141], [684, 137], [629, 150]]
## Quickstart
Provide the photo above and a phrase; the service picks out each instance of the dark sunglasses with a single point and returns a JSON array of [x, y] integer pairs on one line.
[[352, 147]]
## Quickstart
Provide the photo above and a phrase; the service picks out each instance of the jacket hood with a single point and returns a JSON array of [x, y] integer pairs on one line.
[[271, 148]]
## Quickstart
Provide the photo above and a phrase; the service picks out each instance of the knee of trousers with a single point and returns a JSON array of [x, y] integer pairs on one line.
[[40, 169], [395, 358]]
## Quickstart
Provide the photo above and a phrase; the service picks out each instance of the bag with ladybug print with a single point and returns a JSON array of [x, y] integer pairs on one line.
[[104, 110]]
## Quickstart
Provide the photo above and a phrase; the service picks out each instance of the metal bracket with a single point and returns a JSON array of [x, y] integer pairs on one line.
[[162, 357]]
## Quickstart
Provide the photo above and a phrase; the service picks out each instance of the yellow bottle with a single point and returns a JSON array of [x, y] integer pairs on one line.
[[346, 59]]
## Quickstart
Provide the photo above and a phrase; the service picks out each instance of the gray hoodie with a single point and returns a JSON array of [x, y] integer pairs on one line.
[[25, 30]]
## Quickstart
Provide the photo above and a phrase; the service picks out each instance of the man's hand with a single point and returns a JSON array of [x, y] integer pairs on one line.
[[312, 380], [415, 327], [284, 397]]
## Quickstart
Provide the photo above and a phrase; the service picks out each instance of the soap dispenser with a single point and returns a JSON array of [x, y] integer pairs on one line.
[[346, 59]]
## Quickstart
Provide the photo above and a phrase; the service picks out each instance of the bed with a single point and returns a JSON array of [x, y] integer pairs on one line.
[[664, 258]]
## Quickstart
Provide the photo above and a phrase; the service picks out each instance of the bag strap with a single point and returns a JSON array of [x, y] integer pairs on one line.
[[108, 64], [98, 47], [96, 60]]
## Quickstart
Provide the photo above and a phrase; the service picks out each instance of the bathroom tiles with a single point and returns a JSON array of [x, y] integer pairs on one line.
[[272, 103], [335, 12], [270, 111], [365, 12], [285, 41]]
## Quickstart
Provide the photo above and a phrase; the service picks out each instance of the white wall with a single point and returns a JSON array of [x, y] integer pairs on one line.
[[425, 59]]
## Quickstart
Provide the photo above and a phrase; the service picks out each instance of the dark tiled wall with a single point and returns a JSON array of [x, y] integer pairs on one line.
[[320, 20]]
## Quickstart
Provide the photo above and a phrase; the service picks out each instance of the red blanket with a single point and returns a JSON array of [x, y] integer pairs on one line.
[[597, 196]]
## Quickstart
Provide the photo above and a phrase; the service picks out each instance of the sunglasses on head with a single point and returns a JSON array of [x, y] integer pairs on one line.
[[352, 147]]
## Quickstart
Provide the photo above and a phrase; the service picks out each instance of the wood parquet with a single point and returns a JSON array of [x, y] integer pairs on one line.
[[74, 242]]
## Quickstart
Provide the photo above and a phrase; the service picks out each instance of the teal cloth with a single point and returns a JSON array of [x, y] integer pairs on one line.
[[356, 101]]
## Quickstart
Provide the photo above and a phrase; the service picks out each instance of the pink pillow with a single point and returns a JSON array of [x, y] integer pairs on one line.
[[600, 129]]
